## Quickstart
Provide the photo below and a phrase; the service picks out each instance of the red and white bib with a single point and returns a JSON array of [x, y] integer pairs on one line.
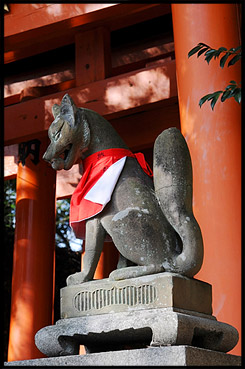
[[101, 171]]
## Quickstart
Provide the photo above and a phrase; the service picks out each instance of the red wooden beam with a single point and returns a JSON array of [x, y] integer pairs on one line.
[[52, 79], [111, 97], [60, 81], [26, 17], [93, 59], [35, 28]]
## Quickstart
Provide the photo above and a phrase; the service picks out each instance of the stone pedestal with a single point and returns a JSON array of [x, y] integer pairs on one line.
[[162, 290], [160, 356], [153, 327], [160, 319]]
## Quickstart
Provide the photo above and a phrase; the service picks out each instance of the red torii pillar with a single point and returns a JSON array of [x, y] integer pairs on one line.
[[33, 260], [214, 140]]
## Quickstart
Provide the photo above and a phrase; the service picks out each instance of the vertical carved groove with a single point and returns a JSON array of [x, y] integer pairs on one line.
[[128, 295]]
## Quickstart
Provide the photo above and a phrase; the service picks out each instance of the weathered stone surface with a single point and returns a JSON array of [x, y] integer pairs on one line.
[[173, 186], [160, 356], [155, 327], [153, 291], [138, 219]]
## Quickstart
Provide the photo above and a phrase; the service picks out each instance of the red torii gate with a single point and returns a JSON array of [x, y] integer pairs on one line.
[[89, 25]]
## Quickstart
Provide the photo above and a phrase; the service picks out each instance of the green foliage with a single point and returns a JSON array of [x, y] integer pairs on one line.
[[232, 90], [210, 53], [9, 205], [62, 222], [64, 236], [233, 54]]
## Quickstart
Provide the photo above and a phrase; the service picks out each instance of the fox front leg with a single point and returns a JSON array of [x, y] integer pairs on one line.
[[95, 236]]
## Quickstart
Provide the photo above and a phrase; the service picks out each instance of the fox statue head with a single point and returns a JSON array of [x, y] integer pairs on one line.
[[69, 134]]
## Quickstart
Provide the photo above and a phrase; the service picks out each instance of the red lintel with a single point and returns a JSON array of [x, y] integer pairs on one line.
[[111, 97], [47, 27], [26, 17]]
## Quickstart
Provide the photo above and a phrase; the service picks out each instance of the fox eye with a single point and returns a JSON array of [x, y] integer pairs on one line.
[[56, 136]]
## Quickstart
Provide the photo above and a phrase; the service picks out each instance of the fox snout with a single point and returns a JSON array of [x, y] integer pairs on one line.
[[47, 156]]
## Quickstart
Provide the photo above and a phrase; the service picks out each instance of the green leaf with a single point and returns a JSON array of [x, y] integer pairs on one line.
[[215, 99], [226, 95], [231, 87], [238, 96], [211, 51], [232, 92], [205, 98], [209, 57], [202, 51], [223, 59], [235, 91], [234, 49], [202, 43], [220, 50], [194, 50], [237, 48], [232, 84], [234, 59]]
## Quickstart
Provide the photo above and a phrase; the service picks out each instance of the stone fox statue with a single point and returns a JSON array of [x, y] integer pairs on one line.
[[151, 222]]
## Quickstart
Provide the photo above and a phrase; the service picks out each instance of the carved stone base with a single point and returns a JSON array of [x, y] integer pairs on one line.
[[153, 327], [160, 356], [148, 292], [155, 310]]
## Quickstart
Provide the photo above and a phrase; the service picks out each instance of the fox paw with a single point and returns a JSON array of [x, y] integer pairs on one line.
[[76, 278], [135, 271]]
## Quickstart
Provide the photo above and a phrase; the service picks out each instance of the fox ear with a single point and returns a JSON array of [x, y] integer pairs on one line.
[[55, 110], [68, 100], [68, 110]]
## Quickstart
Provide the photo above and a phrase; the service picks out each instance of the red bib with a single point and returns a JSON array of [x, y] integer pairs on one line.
[[97, 183]]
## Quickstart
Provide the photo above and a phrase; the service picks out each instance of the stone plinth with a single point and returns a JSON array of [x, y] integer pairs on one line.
[[153, 327], [161, 356], [162, 290], [155, 310]]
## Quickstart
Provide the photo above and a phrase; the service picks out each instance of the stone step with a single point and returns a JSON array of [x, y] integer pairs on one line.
[[160, 356]]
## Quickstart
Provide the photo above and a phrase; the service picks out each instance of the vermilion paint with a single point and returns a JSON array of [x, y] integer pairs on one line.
[[214, 140], [33, 260]]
